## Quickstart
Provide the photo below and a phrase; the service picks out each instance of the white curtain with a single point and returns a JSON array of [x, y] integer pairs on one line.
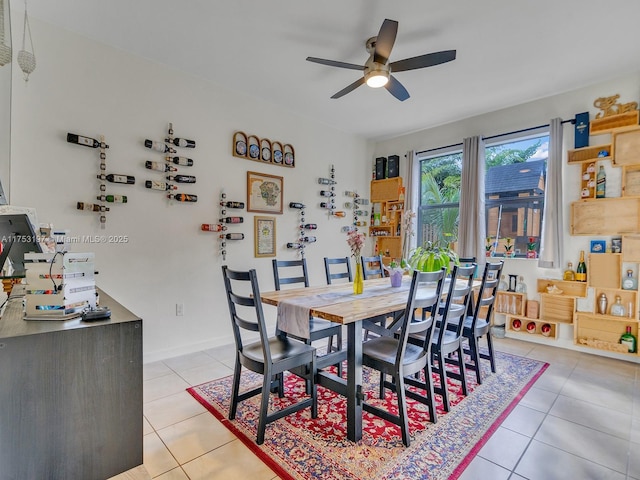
[[551, 254], [412, 191], [471, 227]]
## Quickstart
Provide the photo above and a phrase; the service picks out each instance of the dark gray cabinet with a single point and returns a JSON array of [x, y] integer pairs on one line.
[[70, 395]]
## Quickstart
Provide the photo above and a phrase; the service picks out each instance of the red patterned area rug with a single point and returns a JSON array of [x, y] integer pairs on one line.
[[299, 447]]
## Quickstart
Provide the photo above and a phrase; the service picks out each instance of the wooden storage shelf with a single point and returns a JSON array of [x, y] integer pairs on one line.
[[631, 180], [388, 235], [627, 297], [602, 332], [631, 248], [569, 288], [506, 300], [557, 308], [608, 124], [608, 267], [626, 146], [386, 190], [606, 216], [553, 333], [589, 154]]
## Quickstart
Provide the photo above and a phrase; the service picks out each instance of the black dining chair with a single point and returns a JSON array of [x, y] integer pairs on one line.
[[292, 272], [478, 324], [448, 341], [344, 273], [271, 356], [372, 267], [394, 356]]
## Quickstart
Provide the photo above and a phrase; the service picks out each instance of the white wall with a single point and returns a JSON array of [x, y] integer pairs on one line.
[[87, 88], [527, 115]]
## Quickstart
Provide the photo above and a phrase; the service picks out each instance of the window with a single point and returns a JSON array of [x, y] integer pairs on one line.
[[515, 171]]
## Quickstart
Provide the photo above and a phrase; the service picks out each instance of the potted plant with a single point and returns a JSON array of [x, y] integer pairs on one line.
[[508, 248], [488, 246], [396, 271], [531, 248], [431, 257]]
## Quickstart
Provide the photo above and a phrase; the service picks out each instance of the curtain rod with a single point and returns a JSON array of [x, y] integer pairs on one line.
[[572, 121]]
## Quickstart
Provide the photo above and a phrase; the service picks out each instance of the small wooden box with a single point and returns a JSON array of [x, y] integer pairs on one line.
[[598, 126], [385, 190], [629, 300], [533, 308], [571, 289], [626, 147], [631, 181], [600, 333], [557, 308], [605, 216], [604, 270], [588, 154], [631, 248]]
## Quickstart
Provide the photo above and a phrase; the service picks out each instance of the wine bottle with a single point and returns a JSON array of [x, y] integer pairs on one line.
[[309, 226], [601, 183], [297, 205], [182, 178], [86, 141], [213, 227], [581, 271], [181, 142], [113, 198], [617, 309], [159, 185], [232, 236], [184, 161], [361, 201], [158, 146], [232, 220], [351, 194], [327, 193], [115, 178], [362, 213], [159, 166], [308, 239], [327, 205], [326, 181], [360, 224], [338, 213], [92, 207], [295, 245], [183, 197], [629, 340], [232, 204]]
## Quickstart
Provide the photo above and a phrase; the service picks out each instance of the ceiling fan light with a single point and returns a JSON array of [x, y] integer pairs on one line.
[[377, 78]]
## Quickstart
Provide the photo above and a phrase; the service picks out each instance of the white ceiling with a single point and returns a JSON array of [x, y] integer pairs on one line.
[[508, 51]]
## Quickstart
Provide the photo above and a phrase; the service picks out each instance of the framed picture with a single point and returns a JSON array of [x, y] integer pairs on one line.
[[598, 246], [264, 192], [264, 236]]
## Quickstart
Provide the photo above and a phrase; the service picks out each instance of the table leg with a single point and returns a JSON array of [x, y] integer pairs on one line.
[[354, 381]]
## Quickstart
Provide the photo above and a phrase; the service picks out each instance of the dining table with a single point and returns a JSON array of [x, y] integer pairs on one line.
[[338, 303]]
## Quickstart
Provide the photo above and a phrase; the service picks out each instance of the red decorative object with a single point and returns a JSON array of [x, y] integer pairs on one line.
[[546, 329], [532, 254], [516, 324], [531, 327]]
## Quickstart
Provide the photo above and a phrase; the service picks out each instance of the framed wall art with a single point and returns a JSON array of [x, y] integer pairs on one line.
[[264, 193], [264, 236], [598, 246]]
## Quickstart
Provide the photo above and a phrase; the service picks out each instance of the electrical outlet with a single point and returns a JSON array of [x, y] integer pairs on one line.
[[179, 309]]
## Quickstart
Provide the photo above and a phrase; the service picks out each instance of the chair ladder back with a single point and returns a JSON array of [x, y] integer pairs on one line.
[[487, 292], [302, 277], [464, 294], [369, 271], [337, 275]]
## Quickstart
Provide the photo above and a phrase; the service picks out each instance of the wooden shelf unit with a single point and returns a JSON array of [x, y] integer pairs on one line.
[[553, 333], [589, 154], [388, 234], [505, 300]]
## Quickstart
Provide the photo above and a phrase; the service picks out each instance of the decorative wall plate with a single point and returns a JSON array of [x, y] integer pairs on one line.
[[277, 153], [289, 157], [254, 147], [239, 148], [265, 150]]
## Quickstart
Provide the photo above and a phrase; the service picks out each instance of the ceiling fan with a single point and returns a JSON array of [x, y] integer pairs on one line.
[[377, 69]]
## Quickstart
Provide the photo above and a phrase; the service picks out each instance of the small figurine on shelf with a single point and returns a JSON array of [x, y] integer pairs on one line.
[[531, 248], [488, 246], [508, 248]]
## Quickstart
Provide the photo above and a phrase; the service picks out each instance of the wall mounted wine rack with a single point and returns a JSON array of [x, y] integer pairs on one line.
[[170, 166], [304, 238], [103, 198], [329, 194], [223, 221]]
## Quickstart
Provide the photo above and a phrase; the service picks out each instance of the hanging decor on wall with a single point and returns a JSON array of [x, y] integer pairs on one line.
[[26, 59], [111, 177], [264, 234], [303, 237], [329, 194], [264, 192], [221, 227], [169, 167], [262, 150], [5, 50]]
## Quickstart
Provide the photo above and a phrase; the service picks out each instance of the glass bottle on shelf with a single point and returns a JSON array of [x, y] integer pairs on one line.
[[629, 282], [521, 287], [569, 275], [581, 271], [503, 284], [513, 310], [629, 340], [602, 304], [601, 183], [617, 309]]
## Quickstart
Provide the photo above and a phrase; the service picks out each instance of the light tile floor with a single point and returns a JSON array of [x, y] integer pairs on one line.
[[580, 420]]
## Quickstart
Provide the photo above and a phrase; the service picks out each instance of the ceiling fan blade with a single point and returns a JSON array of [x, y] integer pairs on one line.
[[396, 89], [350, 88], [334, 63], [386, 39], [422, 61]]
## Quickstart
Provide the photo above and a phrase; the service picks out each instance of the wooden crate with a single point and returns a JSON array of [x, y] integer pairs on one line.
[[588, 180], [626, 147], [588, 154], [604, 270], [553, 333], [557, 308], [608, 124], [569, 289], [629, 300], [631, 181], [602, 333], [505, 301], [605, 216], [631, 248], [385, 190]]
